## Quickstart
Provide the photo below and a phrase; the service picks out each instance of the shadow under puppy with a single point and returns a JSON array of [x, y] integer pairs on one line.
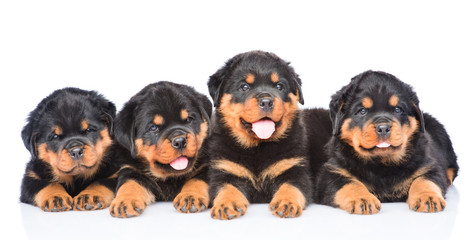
[[384, 149], [68, 136], [162, 128], [257, 148]]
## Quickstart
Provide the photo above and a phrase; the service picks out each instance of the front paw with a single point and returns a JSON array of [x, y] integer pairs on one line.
[[56, 203], [356, 199], [229, 203], [288, 202], [426, 202], [190, 202], [228, 210], [127, 207], [94, 197]]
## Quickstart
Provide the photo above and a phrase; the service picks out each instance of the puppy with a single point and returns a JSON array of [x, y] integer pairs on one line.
[[162, 130], [257, 147], [68, 136], [384, 149]]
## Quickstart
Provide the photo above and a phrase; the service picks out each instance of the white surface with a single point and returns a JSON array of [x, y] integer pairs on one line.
[[118, 47]]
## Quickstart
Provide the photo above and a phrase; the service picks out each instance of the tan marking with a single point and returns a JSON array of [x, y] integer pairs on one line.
[[196, 191], [96, 193], [280, 167], [159, 120], [129, 196], [183, 114], [33, 175], [286, 198], [425, 196], [367, 102], [366, 138], [48, 195], [450, 173], [229, 203], [232, 113], [57, 130], [84, 124], [250, 78], [393, 100], [274, 77], [269, 173]]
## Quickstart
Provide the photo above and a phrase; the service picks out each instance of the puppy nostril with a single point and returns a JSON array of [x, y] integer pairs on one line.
[[76, 153], [179, 142], [265, 103], [383, 129]]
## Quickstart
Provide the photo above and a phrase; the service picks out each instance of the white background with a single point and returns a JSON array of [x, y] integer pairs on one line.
[[118, 47]]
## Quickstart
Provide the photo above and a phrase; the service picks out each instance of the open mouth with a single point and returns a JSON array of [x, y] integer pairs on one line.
[[263, 128], [382, 146], [178, 164]]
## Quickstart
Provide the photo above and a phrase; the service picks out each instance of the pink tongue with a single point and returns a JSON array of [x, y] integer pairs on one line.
[[263, 128], [180, 163], [383, 145]]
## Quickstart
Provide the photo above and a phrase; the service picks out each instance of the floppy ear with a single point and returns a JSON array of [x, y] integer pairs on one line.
[[216, 81], [107, 108], [29, 139], [336, 114], [124, 127], [299, 92], [419, 116]]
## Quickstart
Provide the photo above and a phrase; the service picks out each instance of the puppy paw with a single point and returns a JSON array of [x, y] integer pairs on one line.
[[228, 210], [53, 198], [425, 196], [93, 198], [356, 199], [190, 203], [193, 198], [127, 207], [229, 203], [288, 202], [426, 202]]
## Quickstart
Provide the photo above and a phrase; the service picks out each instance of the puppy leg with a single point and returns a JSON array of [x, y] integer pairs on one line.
[[193, 198], [229, 203], [131, 200], [96, 196], [53, 198], [288, 202], [425, 196]]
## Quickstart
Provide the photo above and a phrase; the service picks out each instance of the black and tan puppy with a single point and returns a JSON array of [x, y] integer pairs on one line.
[[68, 135], [257, 147], [384, 149], [163, 128]]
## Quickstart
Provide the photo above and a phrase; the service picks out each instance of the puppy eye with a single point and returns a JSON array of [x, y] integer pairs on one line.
[[244, 87], [89, 130], [280, 86], [398, 110], [154, 128], [55, 137], [362, 111], [189, 119]]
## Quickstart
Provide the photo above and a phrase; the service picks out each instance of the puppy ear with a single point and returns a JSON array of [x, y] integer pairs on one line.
[[336, 111], [419, 116], [107, 108], [124, 127], [299, 92], [216, 81], [29, 139]]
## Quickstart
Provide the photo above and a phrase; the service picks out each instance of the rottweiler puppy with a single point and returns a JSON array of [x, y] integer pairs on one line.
[[384, 149], [68, 136], [162, 130], [257, 148]]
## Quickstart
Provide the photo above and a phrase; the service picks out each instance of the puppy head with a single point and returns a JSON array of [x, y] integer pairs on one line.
[[256, 95], [377, 115], [70, 130], [165, 124]]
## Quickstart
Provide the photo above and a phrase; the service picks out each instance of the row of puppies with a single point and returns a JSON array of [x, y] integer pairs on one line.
[[256, 147]]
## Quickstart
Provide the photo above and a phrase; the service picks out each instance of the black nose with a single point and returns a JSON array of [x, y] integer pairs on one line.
[[265, 103], [383, 130], [76, 153], [179, 143]]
